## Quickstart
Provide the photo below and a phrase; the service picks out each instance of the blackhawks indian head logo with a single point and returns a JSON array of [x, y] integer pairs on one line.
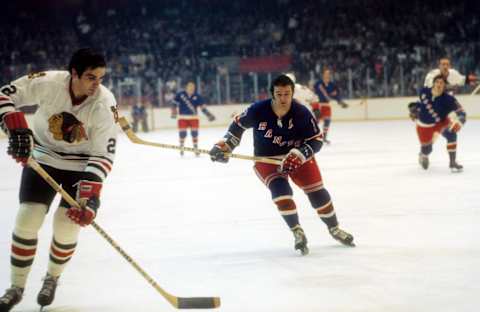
[[66, 127]]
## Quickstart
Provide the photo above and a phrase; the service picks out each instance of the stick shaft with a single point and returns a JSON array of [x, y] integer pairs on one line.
[[135, 139], [475, 91], [170, 298]]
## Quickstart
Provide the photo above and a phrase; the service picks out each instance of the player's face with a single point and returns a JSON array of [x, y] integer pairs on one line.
[[326, 75], [190, 88], [283, 95], [88, 83], [439, 86], [444, 66]]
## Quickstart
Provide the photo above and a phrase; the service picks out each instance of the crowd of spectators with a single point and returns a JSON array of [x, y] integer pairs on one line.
[[374, 47]]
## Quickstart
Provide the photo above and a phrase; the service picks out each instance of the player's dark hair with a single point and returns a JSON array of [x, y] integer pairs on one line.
[[84, 59], [439, 77], [282, 81]]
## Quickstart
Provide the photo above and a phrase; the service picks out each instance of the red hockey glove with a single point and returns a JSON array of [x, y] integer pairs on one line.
[[292, 161], [455, 126], [88, 196], [471, 79], [20, 138]]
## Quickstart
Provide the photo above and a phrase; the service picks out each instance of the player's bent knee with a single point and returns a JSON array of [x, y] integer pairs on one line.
[[319, 198], [279, 187], [64, 229], [30, 218]]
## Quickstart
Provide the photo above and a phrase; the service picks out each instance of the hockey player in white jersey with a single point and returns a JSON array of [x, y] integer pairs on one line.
[[453, 77], [303, 94], [73, 136]]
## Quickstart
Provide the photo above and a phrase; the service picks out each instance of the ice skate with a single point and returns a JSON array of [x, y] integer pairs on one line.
[[342, 236], [197, 152], [423, 161], [326, 141], [181, 150], [300, 240], [12, 296], [456, 167], [47, 292]]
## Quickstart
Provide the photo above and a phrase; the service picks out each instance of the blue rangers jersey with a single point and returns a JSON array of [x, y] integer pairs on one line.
[[188, 105], [326, 92], [432, 110], [274, 136]]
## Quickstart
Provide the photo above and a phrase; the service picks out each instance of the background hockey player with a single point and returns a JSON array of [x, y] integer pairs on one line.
[[326, 90], [453, 78], [185, 105], [432, 118], [287, 130], [73, 135], [139, 117], [303, 94]]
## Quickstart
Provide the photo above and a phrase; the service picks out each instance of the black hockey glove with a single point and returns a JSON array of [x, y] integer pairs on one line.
[[413, 112], [220, 150], [20, 137]]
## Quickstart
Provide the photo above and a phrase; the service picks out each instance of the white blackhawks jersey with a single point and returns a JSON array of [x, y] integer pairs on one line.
[[304, 95], [454, 78], [68, 137]]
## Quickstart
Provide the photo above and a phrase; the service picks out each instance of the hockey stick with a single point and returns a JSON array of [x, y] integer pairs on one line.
[[122, 121], [475, 91], [177, 302]]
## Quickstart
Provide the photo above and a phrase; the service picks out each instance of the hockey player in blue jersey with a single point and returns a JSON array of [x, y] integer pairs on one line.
[[437, 112], [186, 104], [326, 90], [287, 130]]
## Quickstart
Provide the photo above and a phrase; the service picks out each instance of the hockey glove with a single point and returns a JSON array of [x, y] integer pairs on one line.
[[455, 126], [219, 151], [88, 196], [20, 137], [471, 79], [292, 161], [209, 115], [296, 158], [412, 108]]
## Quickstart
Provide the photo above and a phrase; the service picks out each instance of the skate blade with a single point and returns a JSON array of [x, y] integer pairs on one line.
[[303, 250], [453, 170]]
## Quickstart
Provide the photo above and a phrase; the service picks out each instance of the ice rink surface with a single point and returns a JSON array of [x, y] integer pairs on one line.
[[208, 229]]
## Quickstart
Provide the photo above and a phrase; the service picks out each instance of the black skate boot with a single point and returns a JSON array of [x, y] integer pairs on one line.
[[341, 236], [300, 240], [181, 150], [456, 167], [12, 296], [423, 161], [47, 292]]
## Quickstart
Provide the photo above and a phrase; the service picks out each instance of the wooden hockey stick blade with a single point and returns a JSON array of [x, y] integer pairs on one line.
[[122, 121], [177, 302]]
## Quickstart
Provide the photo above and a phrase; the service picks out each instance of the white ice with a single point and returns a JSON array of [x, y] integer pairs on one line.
[[208, 229]]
